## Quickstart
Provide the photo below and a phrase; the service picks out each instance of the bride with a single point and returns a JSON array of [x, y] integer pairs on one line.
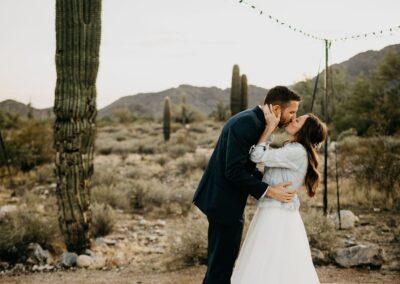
[[276, 248]]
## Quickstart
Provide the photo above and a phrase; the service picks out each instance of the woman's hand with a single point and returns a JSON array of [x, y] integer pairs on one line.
[[271, 119]]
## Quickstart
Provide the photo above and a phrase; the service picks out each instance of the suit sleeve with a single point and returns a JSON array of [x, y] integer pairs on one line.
[[239, 139]]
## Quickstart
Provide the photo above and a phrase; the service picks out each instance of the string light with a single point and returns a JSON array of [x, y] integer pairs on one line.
[[379, 33]]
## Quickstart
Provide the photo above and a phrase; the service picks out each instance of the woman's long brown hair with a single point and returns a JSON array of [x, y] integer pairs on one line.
[[312, 132]]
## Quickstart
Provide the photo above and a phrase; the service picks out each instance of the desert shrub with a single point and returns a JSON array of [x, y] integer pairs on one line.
[[221, 112], [320, 229], [372, 162], [103, 220], [148, 196], [115, 196], [103, 177], [22, 227], [29, 145], [351, 132], [189, 248], [124, 115], [178, 150], [188, 164], [192, 114], [105, 151], [9, 120], [162, 160], [45, 174]]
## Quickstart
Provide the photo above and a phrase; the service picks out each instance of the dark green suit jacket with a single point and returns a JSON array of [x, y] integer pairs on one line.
[[230, 175]]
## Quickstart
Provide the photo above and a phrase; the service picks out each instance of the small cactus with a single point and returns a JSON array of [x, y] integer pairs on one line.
[[167, 118], [184, 111]]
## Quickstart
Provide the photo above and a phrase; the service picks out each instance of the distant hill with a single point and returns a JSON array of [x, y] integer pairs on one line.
[[205, 99], [364, 63], [21, 109]]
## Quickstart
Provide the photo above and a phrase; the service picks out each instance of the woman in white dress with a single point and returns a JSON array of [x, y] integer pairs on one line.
[[276, 248]]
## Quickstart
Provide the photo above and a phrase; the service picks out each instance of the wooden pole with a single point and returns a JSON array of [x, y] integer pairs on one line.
[[326, 140]]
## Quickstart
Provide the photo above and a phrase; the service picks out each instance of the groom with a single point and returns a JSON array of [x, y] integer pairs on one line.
[[230, 177]]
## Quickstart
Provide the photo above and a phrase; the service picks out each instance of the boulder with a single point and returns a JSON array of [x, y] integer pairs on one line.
[[68, 259], [347, 218], [359, 255], [36, 255], [318, 257]]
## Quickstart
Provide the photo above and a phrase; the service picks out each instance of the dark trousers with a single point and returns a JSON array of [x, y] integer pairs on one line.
[[223, 249]]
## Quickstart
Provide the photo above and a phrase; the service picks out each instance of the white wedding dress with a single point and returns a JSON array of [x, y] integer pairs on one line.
[[276, 248]]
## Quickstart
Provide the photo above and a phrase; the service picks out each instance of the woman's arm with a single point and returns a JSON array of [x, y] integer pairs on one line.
[[290, 156]]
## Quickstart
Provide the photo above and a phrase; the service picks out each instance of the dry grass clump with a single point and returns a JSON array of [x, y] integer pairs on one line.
[[103, 220], [113, 195], [320, 229], [22, 227], [190, 246], [151, 196], [189, 164]]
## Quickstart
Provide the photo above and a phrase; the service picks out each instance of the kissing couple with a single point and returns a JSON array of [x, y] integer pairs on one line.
[[276, 248]]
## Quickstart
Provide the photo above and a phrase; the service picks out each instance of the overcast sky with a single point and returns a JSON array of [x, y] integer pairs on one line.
[[152, 45]]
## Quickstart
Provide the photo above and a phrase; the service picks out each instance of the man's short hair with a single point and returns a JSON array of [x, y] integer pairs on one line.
[[281, 95]]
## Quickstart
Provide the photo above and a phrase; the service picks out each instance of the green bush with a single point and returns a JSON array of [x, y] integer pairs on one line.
[[29, 145], [372, 162]]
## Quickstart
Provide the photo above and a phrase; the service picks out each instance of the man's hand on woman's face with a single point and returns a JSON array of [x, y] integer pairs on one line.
[[272, 120]]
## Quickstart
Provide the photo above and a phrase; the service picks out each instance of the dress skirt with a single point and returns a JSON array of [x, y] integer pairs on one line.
[[275, 251]]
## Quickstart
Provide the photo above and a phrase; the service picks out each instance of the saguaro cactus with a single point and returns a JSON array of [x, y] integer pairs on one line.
[[184, 111], [243, 93], [167, 118], [78, 28], [235, 91]]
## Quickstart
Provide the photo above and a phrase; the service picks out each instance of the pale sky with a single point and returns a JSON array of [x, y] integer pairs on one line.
[[153, 45]]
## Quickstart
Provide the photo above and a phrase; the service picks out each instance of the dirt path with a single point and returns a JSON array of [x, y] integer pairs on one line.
[[328, 274]]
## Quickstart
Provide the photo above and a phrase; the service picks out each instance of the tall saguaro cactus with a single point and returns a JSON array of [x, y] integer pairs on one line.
[[78, 28], [167, 118], [243, 93], [235, 91]]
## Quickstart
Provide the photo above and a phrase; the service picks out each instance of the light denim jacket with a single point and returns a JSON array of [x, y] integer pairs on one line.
[[288, 163]]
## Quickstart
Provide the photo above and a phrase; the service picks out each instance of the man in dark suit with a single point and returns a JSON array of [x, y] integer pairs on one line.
[[230, 177]]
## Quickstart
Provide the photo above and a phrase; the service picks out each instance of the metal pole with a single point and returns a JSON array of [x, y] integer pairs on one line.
[[326, 141], [337, 189]]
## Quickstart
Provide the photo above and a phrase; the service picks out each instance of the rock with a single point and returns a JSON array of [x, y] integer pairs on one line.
[[88, 252], [98, 262], [90, 262], [359, 255], [4, 265], [36, 255], [143, 222], [6, 209], [348, 219], [68, 259], [41, 268], [102, 241], [84, 261], [318, 257], [19, 267], [161, 223], [350, 242], [119, 259]]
